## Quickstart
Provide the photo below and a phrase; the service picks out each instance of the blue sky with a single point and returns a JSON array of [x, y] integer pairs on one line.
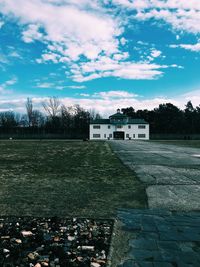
[[101, 54]]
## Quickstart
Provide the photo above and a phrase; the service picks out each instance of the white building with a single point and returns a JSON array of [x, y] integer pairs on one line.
[[119, 126]]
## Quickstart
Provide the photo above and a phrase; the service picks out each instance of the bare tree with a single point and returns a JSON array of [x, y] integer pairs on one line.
[[94, 115], [29, 110], [52, 106]]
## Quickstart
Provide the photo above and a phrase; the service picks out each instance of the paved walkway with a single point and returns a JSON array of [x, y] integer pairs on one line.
[[171, 173], [161, 238], [167, 234]]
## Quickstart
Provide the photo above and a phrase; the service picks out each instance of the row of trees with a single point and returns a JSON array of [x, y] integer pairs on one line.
[[74, 120], [56, 119], [169, 119]]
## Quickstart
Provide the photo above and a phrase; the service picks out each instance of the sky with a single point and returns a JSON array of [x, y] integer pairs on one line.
[[100, 54]]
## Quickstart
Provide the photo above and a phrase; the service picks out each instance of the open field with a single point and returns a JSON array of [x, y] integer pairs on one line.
[[186, 143], [46, 178]]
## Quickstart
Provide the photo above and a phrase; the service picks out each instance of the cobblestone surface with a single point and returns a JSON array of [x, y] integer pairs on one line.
[[171, 173], [161, 238]]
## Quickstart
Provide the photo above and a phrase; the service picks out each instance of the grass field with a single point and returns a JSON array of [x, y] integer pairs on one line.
[[186, 143], [47, 178]]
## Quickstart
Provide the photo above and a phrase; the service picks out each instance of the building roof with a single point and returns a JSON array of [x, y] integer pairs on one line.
[[130, 121], [118, 115], [100, 121], [137, 121], [121, 116]]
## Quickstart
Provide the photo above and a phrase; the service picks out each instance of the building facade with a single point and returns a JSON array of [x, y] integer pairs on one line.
[[119, 126]]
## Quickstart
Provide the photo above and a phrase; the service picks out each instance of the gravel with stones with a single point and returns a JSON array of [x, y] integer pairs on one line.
[[54, 242]]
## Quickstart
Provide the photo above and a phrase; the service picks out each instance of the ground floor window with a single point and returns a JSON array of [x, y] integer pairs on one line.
[[96, 135], [104, 135], [110, 135], [127, 135], [133, 135], [141, 135]]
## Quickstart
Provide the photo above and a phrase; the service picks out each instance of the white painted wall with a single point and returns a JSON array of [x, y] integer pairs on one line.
[[133, 132]]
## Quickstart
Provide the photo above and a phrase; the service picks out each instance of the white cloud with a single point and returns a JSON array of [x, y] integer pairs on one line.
[[1, 24], [49, 85], [107, 67], [32, 33], [85, 95], [182, 15], [3, 59], [44, 85], [191, 47], [76, 86], [11, 81], [85, 36], [77, 31], [105, 105], [5, 87], [114, 94], [15, 54], [155, 53]]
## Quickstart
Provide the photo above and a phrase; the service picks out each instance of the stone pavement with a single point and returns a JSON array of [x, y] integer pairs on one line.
[[161, 238], [171, 173], [167, 234]]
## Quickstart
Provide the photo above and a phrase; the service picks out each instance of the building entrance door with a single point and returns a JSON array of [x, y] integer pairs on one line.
[[118, 135]]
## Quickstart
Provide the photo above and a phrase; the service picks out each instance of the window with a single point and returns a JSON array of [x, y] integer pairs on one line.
[[141, 135], [104, 135], [133, 135], [96, 126], [129, 126], [110, 135], [108, 126], [141, 126], [96, 135], [119, 126], [127, 135]]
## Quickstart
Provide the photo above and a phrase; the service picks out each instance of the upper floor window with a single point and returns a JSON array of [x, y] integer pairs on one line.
[[96, 126], [119, 126], [141, 126], [129, 126], [108, 126]]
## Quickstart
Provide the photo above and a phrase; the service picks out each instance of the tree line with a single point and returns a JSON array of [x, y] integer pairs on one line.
[[56, 120], [169, 119], [73, 121]]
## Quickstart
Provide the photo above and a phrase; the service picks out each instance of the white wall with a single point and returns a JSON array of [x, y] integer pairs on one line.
[[133, 132]]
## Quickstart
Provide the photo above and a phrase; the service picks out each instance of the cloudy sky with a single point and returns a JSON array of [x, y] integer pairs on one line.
[[101, 54]]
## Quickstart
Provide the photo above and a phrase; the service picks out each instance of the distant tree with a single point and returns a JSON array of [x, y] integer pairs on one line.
[[190, 117], [29, 111], [94, 115], [38, 119], [130, 112], [66, 117], [189, 107], [52, 106], [9, 119]]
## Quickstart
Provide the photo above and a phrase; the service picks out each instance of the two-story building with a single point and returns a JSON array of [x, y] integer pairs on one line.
[[119, 126]]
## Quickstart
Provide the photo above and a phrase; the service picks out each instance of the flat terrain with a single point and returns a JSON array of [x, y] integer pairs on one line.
[[171, 173], [183, 143], [46, 178]]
